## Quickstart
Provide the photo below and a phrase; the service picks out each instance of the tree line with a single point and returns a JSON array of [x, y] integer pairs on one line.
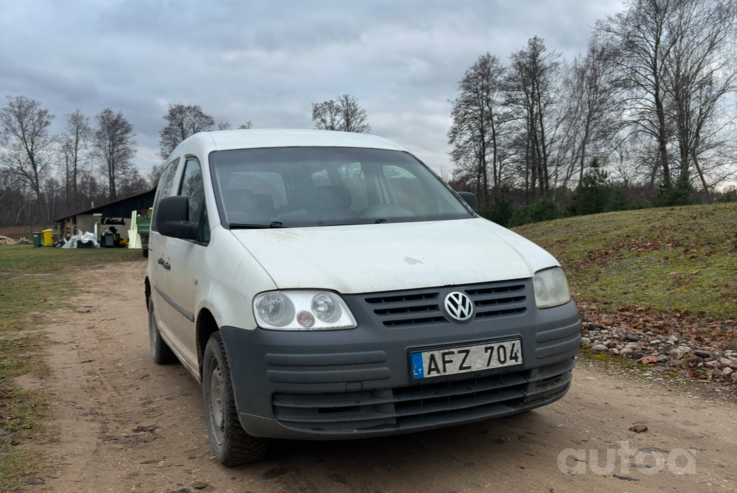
[[645, 116], [45, 175]]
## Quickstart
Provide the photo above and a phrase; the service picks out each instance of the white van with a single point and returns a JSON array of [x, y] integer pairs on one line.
[[328, 285]]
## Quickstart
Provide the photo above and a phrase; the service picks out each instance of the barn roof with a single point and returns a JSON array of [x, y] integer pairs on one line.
[[119, 208]]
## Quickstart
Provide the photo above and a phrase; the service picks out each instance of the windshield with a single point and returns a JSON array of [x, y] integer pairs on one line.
[[324, 186]]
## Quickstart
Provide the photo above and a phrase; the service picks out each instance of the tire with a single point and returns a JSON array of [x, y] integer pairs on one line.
[[161, 353], [231, 445]]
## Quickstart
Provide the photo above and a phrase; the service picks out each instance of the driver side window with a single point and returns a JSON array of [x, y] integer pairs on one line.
[[165, 186], [193, 188]]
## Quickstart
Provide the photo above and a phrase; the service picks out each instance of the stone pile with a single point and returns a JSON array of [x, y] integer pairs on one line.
[[665, 352]]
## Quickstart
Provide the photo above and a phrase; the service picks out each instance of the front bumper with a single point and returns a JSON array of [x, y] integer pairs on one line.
[[357, 383]]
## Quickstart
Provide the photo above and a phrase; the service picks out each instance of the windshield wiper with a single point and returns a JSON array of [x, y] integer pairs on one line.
[[380, 221], [273, 224]]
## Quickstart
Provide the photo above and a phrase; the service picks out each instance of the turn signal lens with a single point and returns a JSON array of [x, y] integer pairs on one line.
[[305, 319]]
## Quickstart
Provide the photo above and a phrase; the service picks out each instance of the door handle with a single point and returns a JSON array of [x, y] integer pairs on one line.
[[161, 261], [167, 266]]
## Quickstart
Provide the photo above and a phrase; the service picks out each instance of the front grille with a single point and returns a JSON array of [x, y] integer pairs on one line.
[[498, 300], [424, 307], [402, 298], [423, 405], [407, 309]]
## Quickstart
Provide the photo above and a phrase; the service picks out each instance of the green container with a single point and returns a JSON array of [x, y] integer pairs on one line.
[[37, 239], [144, 224]]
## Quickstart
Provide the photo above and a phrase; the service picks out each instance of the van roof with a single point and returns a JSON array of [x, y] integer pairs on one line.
[[260, 138]]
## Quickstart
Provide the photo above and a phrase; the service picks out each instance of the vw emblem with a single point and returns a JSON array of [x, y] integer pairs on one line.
[[459, 306]]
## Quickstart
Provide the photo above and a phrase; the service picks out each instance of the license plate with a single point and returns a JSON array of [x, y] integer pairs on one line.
[[454, 360]]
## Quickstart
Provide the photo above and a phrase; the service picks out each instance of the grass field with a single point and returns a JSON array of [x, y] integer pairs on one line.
[[33, 281], [682, 258]]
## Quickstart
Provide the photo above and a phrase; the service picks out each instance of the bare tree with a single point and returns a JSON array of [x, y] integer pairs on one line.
[[634, 160], [28, 145], [13, 200], [227, 126], [113, 144], [154, 175], [478, 118], [182, 122], [326, 115], [592, 113], [352, 115], [700, 72], [73, 146], [344, 115], [639, 39], [133, 183], [531, 88]]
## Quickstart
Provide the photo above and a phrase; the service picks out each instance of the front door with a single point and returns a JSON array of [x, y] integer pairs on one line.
[[158, 245], [187, 259]]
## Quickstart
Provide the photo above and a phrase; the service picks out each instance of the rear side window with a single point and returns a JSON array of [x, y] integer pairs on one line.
[[166, 184]]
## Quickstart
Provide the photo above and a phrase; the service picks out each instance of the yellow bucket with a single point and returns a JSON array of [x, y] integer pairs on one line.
[[48, 238]]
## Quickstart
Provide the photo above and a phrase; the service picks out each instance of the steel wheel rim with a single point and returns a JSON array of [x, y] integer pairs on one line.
[[216, 405]]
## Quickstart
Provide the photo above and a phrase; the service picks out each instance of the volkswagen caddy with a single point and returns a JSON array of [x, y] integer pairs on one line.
[[328, 285]]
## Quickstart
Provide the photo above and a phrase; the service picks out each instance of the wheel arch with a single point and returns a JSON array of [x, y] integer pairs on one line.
[[147, 291], [206, 326]]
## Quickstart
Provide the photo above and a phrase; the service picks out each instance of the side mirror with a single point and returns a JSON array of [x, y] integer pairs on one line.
[[470, 199], [172, 218]]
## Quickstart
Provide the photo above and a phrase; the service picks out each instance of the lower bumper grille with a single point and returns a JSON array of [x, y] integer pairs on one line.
[[425, 405]]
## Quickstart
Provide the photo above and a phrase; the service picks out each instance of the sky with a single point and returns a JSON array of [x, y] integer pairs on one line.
[[267, 62]]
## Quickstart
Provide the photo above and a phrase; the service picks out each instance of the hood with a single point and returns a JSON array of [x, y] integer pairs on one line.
[[393, 256]]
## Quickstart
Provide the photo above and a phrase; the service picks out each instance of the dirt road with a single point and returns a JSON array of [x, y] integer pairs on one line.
[[125, 424]]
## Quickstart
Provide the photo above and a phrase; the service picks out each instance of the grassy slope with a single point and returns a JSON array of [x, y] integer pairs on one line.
[[682, 258], [32, 281]]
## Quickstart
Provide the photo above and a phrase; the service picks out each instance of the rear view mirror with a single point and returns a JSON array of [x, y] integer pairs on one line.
[[172, 218], [470, 199]]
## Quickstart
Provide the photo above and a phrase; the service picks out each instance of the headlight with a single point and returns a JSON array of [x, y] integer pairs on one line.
[[551, 288], [302, 310]]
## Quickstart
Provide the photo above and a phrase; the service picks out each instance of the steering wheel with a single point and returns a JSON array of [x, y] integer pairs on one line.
[[384, 211]]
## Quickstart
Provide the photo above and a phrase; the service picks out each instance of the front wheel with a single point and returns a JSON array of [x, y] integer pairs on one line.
[[230, 443]]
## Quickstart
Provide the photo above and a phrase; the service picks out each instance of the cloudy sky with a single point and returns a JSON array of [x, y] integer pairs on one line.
[[266, 62]]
